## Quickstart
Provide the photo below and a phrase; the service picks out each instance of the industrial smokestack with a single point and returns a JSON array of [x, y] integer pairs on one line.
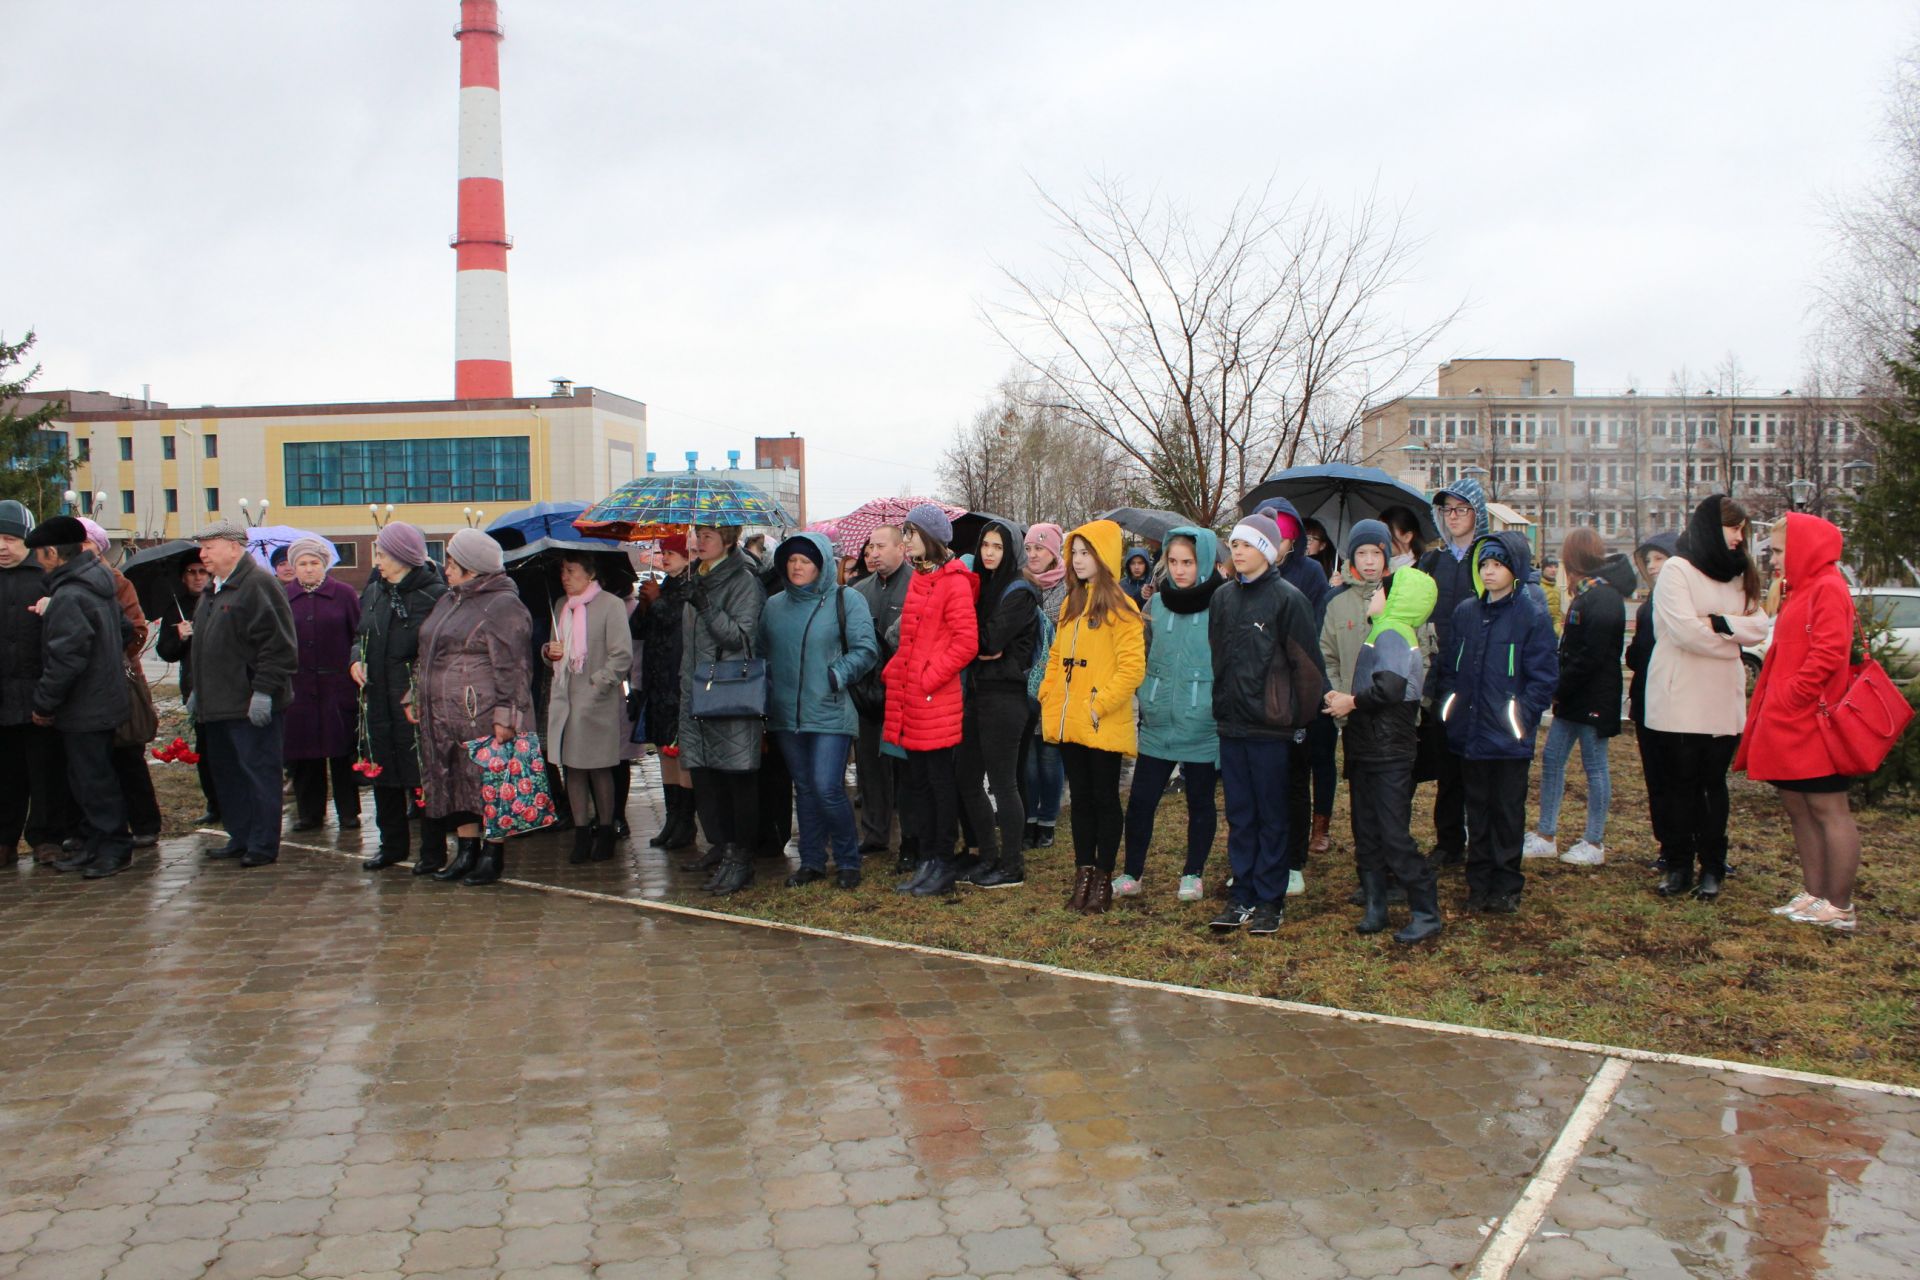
[[482, 359]]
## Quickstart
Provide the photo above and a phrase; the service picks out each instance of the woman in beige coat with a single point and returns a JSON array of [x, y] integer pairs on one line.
[[1706, 607], [591, 652]]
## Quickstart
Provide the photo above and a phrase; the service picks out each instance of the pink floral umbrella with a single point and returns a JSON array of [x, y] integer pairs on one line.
[[853, 529]]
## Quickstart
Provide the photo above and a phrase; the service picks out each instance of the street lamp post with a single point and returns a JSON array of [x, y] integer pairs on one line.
[[1800, 492]]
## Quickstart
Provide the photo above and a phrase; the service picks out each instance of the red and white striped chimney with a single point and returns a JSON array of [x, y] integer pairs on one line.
[[482, 358]]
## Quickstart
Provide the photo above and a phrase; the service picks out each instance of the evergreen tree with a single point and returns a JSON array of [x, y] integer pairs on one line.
[[35, 466]]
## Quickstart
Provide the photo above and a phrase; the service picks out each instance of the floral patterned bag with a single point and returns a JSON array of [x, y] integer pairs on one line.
[[513, 785]]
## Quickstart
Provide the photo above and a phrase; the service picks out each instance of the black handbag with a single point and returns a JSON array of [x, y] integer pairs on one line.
[[731, 689]]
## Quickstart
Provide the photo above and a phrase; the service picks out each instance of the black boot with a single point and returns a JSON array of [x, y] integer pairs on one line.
[[736, 872], [466, 855], [681, 832], [1424, 901], [492, 861], [921, 871], [582, 845], [1011, 870], [1033, 835], [603, 838], [1674, 883], [670, 817], [433, 847], [1374, 885], [706, 861], [941, 880]]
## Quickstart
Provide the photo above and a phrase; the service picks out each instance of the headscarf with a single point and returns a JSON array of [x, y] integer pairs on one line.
[[1705, 547]]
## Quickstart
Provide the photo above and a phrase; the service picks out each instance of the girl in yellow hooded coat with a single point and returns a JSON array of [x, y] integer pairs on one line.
[[1098, 659]]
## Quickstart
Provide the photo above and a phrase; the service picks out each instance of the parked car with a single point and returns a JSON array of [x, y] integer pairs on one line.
[[1895, 608]]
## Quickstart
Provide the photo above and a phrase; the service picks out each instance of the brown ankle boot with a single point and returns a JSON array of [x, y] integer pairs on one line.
[[1083, 882], [1322, 839], [1100, 897]]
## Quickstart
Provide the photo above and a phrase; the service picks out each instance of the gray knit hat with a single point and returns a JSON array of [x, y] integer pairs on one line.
[[222, 530], [933, 522], [15, 519], [477, 552]]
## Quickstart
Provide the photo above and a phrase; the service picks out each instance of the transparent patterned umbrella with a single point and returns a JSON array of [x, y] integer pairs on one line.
[[654, 506]]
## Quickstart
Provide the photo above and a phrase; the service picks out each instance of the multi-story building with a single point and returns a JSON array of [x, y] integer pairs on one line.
[[779, 471], [1627, 463], [166, 472]]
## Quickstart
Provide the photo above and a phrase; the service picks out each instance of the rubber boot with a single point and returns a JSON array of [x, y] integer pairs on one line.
[[1374, 885], [736, 871], [433, 847], [603, 838], [492, 862], [1083, 878], [466, 856], [1424, 900]]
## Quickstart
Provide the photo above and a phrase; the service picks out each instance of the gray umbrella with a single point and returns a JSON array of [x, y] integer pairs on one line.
[[1147, 522]]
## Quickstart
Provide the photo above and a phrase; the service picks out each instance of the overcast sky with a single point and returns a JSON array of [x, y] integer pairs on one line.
[[762, 218]]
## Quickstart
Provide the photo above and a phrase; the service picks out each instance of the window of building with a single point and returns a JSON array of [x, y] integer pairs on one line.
[[82, 449], [1579, 426], [436, 551], [166, 448], [173, 501], [86, 504], [353, 473], [1578, 474], [349, 553], [1550, 472], [126, 502], [126, 448], [1660, 424], [1549, 424], [1416, 426], [213, 499], [210, 445], [1659, 473], [1710, 473]]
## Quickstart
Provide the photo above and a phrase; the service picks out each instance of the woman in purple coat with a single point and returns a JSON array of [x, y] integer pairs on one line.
[[324, 717]]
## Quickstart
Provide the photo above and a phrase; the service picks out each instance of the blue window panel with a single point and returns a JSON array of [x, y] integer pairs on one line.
[[356, 472]]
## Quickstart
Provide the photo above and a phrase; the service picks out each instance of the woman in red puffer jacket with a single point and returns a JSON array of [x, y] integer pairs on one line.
[[1809, 662], [939, 636]]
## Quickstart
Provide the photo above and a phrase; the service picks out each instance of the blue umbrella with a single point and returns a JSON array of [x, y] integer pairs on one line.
[[1339, 495], [517, 529]]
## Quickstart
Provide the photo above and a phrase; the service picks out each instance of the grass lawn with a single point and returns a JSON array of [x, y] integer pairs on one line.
[[1593, 955]]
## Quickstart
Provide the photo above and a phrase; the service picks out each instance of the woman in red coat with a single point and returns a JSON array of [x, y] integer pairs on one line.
[[1808, 663], [939, 636]]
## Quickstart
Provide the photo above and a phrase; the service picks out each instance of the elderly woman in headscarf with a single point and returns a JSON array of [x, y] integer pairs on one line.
[[472, 680], [324, 719], [130, 762], [402, 592]]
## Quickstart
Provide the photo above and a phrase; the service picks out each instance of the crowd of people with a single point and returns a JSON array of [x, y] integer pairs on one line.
[[1247, 668]]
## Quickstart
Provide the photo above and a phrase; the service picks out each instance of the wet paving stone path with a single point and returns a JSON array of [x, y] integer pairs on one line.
[[304, 1070]]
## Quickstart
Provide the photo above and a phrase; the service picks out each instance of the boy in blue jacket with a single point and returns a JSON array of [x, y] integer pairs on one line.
[[1497, 677]]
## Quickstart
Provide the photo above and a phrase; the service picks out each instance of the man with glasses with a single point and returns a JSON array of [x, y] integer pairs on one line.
[[1461, 511]]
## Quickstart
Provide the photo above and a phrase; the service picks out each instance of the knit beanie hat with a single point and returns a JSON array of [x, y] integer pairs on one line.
[[1050, 536], [403, 542], [933, 522], [674, 542], [477, 552], [1259, 531], [1370, 533], [15, 519]]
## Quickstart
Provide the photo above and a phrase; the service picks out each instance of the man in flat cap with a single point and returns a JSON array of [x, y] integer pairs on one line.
[[243, 664], [82, 690]]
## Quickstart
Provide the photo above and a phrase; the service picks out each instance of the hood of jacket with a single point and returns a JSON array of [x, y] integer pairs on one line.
[[816, 548], [1468, 490], [1617, 572], [1013, 563], [1141, 554], [1206, 553], [1279, 506], [1705, 547], [1813, 545], [485, 584], [1106, 539], [87, 573], [1519, 556], [1411, 596]]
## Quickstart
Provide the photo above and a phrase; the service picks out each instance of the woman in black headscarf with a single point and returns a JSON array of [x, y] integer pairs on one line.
[[996, 709]]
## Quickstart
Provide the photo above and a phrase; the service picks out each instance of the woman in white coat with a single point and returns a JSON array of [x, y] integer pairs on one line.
[[1706, 607]]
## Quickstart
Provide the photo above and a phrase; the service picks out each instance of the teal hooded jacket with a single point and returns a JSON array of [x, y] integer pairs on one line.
[[808, 670], [1176, 698]]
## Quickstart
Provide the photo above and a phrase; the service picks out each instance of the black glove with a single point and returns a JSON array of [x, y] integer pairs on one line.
[[1720, 624], [633, 705], [698, 596]]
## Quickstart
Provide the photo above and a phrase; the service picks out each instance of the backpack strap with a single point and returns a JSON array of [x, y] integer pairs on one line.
[[840, 611]]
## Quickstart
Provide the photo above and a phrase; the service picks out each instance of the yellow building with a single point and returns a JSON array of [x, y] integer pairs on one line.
[[168, 472]]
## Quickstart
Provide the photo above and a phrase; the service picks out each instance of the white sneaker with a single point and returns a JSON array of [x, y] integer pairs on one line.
[[1798, 902], [1584, 854], [1125, 886], [1191, 890], [1538, 846], [1296, 884]]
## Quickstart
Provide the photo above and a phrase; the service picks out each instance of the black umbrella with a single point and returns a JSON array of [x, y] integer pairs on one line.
[[1339, 495], [535, 568], [1147, 522], [155, 575]]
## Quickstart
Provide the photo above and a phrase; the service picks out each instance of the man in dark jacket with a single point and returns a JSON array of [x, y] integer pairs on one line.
[[1264, 642], [244, 657], [1495, 683], [29, 792], [82, 690], [1460, 510], [885, 591]]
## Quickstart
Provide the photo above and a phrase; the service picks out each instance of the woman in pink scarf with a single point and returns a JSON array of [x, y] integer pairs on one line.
[[591, 652], [1043, 777]]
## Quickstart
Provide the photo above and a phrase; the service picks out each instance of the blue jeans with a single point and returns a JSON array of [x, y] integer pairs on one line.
[[1253, 773], [1561, 738], [1046, 778], [818, 763]]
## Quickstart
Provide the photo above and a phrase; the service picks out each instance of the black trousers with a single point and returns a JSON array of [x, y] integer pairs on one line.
[[1093, 781], [1300, 767], [1496, 794], [246, 768], [205, 769], [1150, 775], [392, 807], [728, 804], [136, 790], [1382, 799], [1450, 804], [1693, 792], [879, 778], [776, 805], [1658, 803], [930, 801], [989, 759], [96, 793], [30, 803], [310, 788]]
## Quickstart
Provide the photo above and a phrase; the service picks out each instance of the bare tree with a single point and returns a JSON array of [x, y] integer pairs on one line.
[[1209, 355], [1032, 463], [1871, 298]]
